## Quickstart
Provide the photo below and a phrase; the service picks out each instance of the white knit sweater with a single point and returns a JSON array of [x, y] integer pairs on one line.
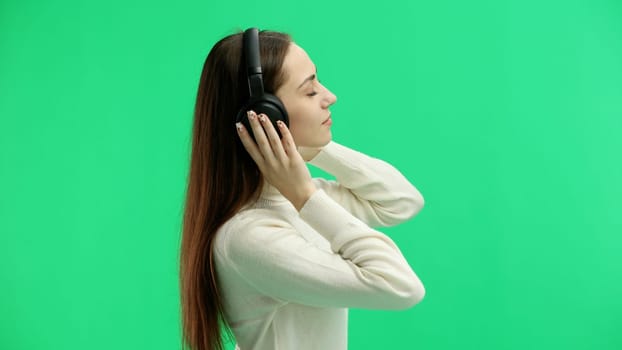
[[288, 277]]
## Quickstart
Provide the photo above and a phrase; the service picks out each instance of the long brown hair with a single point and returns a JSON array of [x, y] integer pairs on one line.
[[222, 178]]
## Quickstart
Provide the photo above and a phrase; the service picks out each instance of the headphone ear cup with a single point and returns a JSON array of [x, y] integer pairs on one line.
[[279, 111], [267, 104]]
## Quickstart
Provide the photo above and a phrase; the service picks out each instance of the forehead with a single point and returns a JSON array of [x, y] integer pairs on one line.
[[297, 65]]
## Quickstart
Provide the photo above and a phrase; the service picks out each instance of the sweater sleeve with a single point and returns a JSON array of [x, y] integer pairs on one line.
[[369, 188], [364, 269]]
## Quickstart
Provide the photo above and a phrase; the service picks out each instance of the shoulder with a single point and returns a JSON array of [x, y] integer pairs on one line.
[[249, 229]]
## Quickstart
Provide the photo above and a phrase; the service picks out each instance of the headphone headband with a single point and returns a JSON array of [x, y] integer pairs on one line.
[[253, 62]]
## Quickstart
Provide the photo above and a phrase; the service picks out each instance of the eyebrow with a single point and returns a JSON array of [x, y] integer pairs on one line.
[[309, 78]]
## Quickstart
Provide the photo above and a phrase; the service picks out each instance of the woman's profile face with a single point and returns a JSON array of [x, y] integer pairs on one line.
[[306, 100]]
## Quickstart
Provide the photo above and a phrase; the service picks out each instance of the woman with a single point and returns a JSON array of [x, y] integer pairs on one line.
[[268, 252]]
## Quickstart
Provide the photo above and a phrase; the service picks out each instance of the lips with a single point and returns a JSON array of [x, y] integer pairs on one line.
[[327, 120]]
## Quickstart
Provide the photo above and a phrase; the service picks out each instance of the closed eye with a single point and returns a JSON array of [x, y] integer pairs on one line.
[[313, 93]]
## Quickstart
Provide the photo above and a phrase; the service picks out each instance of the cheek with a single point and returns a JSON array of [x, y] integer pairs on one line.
[[304, 135], [302, 125], [298, 122], [298, 128]]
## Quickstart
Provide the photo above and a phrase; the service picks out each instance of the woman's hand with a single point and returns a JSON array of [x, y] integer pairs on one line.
[[278, 159]]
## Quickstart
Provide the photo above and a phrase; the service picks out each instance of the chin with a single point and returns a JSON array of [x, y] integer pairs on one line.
[[323, 142], [316, 142]]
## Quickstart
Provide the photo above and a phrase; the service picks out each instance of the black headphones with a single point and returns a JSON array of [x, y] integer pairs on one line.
[[259, 101]]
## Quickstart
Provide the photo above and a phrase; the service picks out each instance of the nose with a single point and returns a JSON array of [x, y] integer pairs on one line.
[[329, 99]]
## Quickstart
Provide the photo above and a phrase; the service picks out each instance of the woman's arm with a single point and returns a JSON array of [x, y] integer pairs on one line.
[[369, 188], [364, 269]]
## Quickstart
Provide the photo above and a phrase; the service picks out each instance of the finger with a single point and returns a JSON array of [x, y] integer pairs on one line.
[[273, 137], [288, 140], [250, 145], [260, 136]]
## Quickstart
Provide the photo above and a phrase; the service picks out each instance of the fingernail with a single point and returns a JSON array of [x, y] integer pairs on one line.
[[251, 115], [280, 123], [262, 118], [239, 126]]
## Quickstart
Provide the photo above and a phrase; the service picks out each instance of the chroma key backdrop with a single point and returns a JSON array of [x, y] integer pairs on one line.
[[506, 115]]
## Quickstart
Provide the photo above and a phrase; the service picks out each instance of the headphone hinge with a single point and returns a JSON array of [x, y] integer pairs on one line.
[[255, 85]]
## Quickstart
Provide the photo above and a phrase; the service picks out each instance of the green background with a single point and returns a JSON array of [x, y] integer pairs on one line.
[[507, 115]]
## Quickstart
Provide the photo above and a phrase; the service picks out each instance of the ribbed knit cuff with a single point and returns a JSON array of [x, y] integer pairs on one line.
[[338, 160]]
